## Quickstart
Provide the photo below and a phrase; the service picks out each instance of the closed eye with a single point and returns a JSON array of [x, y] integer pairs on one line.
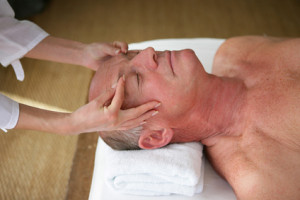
[[138, 78]]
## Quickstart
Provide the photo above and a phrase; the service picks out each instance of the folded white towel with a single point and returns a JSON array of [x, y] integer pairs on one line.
[[175, 169]]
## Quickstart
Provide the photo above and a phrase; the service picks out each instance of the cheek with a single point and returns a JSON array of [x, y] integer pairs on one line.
[[156, 90], [175, 100]]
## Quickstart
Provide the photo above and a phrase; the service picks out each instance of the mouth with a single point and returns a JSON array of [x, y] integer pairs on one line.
[[169, 58]]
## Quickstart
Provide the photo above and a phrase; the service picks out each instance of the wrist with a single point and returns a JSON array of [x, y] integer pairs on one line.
[[90, 56], [64, 125], [69, 125], [86, 58]]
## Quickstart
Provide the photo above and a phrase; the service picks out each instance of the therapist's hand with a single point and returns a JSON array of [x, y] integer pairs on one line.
[[96, 116], [96, 53]]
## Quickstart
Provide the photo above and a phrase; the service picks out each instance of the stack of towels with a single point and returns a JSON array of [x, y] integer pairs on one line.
[[175, 169]]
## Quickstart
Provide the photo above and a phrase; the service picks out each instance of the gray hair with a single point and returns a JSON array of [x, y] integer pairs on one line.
[[122, 140]]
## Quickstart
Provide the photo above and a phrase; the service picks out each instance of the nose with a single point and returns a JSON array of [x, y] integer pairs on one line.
[[146, 58]]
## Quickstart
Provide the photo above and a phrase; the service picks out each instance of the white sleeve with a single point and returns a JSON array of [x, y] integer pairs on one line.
[[16, 37], [9, 113]]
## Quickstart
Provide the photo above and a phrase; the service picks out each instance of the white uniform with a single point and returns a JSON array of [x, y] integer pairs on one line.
[[16, 39]]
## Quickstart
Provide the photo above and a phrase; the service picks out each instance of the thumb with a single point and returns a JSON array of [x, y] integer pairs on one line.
[[112, 50]]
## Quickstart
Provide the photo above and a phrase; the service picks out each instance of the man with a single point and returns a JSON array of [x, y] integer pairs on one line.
[[246, 114]]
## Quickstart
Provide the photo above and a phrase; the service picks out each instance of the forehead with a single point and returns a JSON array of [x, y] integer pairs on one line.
[[116, 66], [109, 72]]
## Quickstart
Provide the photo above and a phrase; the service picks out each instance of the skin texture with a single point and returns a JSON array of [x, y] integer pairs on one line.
[[246, 113]]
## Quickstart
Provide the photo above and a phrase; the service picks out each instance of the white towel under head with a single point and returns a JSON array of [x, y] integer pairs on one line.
[[175, 169]]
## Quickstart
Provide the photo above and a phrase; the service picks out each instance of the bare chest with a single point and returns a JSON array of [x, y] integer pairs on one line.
[[273, 108], [258, 166]]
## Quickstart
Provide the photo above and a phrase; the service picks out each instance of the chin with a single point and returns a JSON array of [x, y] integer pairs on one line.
[[188, 52], [192, 61]]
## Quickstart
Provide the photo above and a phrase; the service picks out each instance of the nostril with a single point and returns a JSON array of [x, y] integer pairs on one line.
[[146, 58], [155, 57]]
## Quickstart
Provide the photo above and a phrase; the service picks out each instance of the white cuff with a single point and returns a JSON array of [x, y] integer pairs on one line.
[[9, 113], [18, 70]]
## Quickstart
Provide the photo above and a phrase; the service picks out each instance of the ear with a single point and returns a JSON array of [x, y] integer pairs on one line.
[[153, 139]]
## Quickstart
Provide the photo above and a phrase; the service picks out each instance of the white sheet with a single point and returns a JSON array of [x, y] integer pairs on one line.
[[215, 188]]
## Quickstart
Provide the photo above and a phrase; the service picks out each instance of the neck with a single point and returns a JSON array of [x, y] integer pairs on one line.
[[218, 111]]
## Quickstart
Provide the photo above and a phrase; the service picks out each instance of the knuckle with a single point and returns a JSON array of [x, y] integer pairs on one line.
[[97, 45], [112, 117], [98, 101]]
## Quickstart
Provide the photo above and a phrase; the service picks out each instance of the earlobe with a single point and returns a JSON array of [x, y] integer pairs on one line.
[[153, 139]]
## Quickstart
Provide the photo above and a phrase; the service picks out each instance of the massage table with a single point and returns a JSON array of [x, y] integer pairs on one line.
[[214, 188]]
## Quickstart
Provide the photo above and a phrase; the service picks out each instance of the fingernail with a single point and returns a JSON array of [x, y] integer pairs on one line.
[[157, 105], [123, 77], [142, 123], [155, 113], [139, 128], [117, 51], [114, 85]]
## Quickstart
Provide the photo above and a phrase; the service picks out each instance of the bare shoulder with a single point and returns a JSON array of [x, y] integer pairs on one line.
[[239, 54], [233, 52]]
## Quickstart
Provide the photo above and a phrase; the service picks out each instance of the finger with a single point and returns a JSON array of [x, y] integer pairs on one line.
[[140, 110], [133, 128], [138, 121], [123, 46], [118, 99], [110, 49], [134, 51]]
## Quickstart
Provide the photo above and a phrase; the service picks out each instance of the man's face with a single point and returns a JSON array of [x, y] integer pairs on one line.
[[170, 77]]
